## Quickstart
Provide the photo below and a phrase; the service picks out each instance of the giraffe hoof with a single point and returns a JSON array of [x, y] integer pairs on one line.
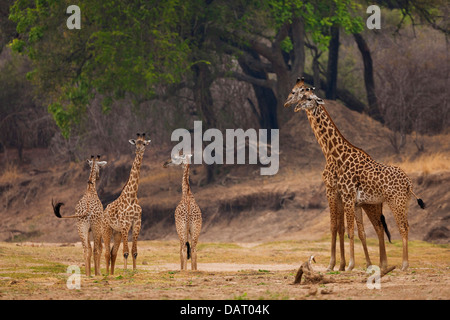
[[404, 266]]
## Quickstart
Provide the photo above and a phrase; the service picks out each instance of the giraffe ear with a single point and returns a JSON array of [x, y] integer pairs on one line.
[[101, 163], [148, 141], [185, 158], [132, 141]]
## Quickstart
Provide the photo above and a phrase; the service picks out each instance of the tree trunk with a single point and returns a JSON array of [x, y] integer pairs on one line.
[[204, 102], [369, 82], [316, 72], [332, 68], [267, 102]]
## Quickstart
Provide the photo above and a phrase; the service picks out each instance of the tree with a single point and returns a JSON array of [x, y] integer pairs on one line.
[[24, 123], [412, 76], [433, 13], [269, 37], [123, 47], [369, 81]]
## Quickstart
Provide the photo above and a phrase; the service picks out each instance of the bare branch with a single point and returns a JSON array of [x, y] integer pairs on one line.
[[243, 77]]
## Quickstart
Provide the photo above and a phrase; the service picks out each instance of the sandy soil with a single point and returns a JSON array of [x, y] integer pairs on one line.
[[234, 271]]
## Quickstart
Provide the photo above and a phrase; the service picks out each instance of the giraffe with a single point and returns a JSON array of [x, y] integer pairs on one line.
[[125, 213], [360, 181], [89, 212], [188, 216], [329, 176]]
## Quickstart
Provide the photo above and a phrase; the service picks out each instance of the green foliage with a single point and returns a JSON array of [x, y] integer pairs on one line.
[[318, 17], [123, 47], [286, 45]]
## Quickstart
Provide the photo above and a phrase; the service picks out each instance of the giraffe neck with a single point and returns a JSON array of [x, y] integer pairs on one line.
[[185, 186], [131, 187], [333, 144], [92, 178]]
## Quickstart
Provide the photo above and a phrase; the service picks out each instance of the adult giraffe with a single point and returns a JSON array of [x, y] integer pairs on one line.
[[354, 180]]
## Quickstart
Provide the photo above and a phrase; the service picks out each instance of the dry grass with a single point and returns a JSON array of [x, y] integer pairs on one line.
[[426, 163], [10, 173]]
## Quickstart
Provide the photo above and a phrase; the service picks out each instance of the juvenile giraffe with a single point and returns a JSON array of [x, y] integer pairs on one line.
[[188, 216], [89, 212], [360, 181], [125, 212]]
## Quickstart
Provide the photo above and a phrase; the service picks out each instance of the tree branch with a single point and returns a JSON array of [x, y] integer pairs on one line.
[[298, 37], [267, 83], [256, 64], [263, 50], [281, 35]]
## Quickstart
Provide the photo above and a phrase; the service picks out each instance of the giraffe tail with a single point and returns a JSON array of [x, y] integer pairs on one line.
[[383, 222], [419, 201], [188, 250], [57, 209]]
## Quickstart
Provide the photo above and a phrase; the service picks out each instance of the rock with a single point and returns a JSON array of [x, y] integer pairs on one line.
[[312, 291], [326, 291]]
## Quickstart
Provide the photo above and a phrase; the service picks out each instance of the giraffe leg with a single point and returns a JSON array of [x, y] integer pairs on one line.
[[107, 240], [126, 249], [349, 209], [117, 240], [97, 253], [341, 231], [362, 233], [194, 255], [334, 229], [196, 227], [83, 232], [136, 230], [183, 254], [374, 212], [400, 210], [332, 202], [87, 258], [182, 231]]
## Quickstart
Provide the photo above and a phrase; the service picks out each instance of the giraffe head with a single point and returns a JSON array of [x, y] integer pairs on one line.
[[309, 101], [140, 143], [299, 97], [176, 160], [296, 94], [95, 165]]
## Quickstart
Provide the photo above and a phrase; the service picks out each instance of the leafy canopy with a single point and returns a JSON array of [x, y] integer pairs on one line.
[[123, 46]]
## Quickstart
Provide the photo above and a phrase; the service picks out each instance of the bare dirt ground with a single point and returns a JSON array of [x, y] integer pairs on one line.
[[236, 271], [257, 230]]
